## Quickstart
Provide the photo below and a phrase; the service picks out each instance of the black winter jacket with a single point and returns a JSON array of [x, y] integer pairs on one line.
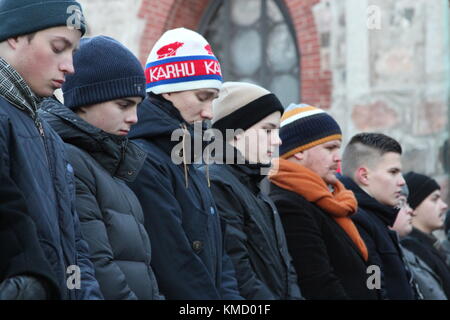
[[373, 221], [189, 258], [255, 239], [21, 256], [328, 263], [110, 214]]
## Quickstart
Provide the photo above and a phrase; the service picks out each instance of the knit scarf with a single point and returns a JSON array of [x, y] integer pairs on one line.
[[14, 89], [339, 204]]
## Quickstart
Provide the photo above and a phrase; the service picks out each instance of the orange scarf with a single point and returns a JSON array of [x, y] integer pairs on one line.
[[340, 204]]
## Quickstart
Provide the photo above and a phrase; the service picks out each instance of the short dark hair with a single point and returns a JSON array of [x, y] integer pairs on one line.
[[365, 149]]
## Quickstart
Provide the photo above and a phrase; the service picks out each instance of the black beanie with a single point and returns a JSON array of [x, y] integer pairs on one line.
[[105, 70], [20, 17], [420, 187]]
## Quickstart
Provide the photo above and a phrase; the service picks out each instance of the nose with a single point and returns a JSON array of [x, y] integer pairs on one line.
[[337, 156], [66, 65], [276, 140], [206, 113], [401, 181], [131, 117]]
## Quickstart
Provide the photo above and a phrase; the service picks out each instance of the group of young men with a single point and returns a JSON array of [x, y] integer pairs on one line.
[[105, 196]]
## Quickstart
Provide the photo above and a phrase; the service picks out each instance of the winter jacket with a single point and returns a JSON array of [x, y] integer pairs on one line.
[[110, 214], [328, 263], [443, 246], [33, 156], [372, 221], [25, 272], [422, 245], [180, 215], [429, 283], [255, 239]]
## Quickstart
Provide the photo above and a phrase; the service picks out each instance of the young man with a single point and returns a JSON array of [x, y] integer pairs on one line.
[[429, 214], [254, 238], [183, 78], [101, 100], [427, 280], [329, 255], [37, 40], [372, 169]]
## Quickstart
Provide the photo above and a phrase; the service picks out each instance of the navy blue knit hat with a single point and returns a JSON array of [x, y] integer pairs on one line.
[[20, 17], [420, 187], [303, 127], [104, 70]]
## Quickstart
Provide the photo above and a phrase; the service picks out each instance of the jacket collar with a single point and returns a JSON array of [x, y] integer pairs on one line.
[[246, 172], [162, 124], [116, 154], [15, 89], [423, 237]]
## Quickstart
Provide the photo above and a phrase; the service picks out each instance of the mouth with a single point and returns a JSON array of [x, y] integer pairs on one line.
[[58, 83], [123, 132]]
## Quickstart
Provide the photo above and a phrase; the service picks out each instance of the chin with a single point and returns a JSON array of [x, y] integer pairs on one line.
[[45, 93], [330, 179]]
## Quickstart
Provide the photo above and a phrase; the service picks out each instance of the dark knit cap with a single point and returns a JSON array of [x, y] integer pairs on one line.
[[241, 105], [104, 70], [20, 17], [420, 187], [303, 127]]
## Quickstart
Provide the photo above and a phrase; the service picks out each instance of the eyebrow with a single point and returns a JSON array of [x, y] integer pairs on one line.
[[271, 125], [127, 100], [209, 93], [67, 42]]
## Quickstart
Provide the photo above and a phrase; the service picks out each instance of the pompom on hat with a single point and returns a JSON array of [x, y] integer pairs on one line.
[[182, 60]]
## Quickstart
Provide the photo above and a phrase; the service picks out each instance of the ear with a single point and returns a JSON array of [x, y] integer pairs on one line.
[[238, 136], [80, 110], [299, 155], [13, 42], [362, 176], [166, 95]]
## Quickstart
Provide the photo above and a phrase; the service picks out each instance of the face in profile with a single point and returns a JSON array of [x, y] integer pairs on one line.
[[259, 143], [385, 180], [323, 159], [194, 105], [45, 59], [430, 213], [114, 117], [403, 222]]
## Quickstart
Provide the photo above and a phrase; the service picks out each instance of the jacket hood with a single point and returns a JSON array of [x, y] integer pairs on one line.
[[162, 123], [385, 213], [116, 154], [158, 118]]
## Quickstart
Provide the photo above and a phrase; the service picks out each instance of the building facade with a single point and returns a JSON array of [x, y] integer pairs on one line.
[[375, 65]]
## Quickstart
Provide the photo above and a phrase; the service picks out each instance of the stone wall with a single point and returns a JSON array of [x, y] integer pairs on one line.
[[393, 77]]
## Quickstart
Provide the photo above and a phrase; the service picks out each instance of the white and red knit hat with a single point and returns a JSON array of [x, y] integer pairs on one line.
[[182, 60]]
